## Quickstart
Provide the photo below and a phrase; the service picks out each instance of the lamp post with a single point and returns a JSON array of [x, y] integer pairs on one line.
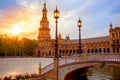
[[79, 26], [56, 16], [56, 60]]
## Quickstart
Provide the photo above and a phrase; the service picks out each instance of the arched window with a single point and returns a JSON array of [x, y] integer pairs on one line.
[[77, 51], [100, 50], [67, 51], [60, 51], [96, 50], [104, 50], [117, 49], [38, 52], [114, 50], [88, 50], [117, 41], [70, 51]]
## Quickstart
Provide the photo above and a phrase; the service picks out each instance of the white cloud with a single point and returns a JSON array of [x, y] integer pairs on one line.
[[103, 32], [93, 14]]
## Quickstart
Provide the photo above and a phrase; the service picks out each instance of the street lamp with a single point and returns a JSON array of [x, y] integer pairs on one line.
[[79, 26], [56, 60], [56, 16]]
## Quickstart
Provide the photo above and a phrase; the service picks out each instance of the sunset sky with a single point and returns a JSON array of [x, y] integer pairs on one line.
[[25, 15]]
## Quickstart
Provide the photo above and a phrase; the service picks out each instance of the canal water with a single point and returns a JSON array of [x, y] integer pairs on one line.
[[15, 66], [98, 73]]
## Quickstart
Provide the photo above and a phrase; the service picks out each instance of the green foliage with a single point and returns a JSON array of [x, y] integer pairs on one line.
[[13, 46]]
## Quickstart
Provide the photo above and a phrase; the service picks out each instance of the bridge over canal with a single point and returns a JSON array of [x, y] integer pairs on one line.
[[64, 67]]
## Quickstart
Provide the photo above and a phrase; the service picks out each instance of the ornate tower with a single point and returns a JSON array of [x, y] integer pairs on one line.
[[114, 39], [44, 30], [111, 38]]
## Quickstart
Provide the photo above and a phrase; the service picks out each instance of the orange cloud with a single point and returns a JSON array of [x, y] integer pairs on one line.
[[22, 17]]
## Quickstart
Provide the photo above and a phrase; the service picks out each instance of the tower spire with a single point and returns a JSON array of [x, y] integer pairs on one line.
[[44, 11], [111, 25], [44, 3]]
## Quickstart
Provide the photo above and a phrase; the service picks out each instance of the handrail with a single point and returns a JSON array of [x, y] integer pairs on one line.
[[47, 68], [98, 57]]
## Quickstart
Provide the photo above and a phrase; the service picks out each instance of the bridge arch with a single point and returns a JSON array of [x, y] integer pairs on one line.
[[82, 61], [69, 69], [76, 74], [81, 69]]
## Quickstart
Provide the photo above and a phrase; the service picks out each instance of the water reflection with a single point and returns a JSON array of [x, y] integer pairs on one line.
[[97, 73], [13, 66]]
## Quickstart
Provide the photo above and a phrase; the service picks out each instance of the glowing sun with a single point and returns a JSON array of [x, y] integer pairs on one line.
[[16, 30]]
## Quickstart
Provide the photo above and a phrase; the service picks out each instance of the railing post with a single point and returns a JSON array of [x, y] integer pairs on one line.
[[85, 57], [66, 60], [40, 70], [56, 70]]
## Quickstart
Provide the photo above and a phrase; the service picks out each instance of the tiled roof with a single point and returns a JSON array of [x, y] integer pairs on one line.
[[88, 40]]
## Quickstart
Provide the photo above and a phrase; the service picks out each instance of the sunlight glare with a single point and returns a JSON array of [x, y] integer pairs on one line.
[[16, 30]]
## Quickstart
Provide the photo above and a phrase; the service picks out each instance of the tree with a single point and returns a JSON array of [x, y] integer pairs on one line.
[[13, 46]]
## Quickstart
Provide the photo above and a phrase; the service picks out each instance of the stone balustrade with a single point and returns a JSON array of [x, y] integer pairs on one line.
[[47, 68], [85, 58]]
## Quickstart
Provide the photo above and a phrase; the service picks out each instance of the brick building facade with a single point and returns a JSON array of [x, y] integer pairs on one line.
[[67, 46]]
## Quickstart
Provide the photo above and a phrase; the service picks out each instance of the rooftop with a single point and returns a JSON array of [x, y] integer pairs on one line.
[[88, 40]]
